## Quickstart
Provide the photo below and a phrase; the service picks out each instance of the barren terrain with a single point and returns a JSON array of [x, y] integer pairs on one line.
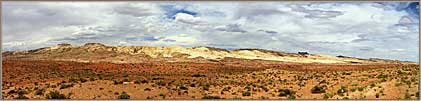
[[96, 71]]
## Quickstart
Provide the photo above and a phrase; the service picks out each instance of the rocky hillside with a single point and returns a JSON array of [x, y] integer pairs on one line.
[[96, 52]]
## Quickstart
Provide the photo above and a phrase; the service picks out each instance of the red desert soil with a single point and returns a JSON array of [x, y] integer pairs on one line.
[[30, 76]]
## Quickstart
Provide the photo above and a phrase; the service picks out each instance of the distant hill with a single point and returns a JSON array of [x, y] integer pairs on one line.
[[97, 52]]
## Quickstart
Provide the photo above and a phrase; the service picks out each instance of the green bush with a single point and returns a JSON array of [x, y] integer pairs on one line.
[[247, 93], [317, 89], [285, 92], [124, 95], [56, 95]]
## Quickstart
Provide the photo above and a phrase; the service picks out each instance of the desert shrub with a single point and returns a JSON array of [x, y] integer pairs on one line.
[[372, 85], [11, 92], [147, 89], [20, 96], [323, 81], [193, 85], [342, 90], [198, 75], [328, 95], [161, 94], [83, 80], [285, 92], [417, 94], [317, 89], [56, 95], [291, 97], [211, 97], [246, 93], [301, 84], [360, 89], [22, 92], [226, 89], [124, 95], [64, 86], [206, 87], [118, 82], [161, 83], [91, 79], [182, 87], [264, 88], [39, 91], [377, 95], [353, 89], [247, 88], [73, 80], [140, 81]]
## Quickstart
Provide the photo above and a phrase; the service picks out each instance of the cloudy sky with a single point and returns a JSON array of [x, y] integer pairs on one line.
[[369, 29]]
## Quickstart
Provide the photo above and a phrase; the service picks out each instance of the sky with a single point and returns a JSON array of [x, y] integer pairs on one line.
[[388, 30]]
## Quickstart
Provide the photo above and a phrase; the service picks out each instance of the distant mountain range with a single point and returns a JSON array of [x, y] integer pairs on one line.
[[97, 52]]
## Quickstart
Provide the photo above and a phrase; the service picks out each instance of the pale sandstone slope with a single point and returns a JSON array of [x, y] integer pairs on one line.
[[205, 52]]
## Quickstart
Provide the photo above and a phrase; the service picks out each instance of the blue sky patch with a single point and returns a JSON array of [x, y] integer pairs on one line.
[[171, 11]]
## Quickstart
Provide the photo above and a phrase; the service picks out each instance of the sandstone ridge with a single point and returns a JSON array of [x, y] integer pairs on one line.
[[98, 51]]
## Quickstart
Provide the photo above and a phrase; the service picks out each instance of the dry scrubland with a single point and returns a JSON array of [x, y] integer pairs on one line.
[[97, 71], [74, 80]]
